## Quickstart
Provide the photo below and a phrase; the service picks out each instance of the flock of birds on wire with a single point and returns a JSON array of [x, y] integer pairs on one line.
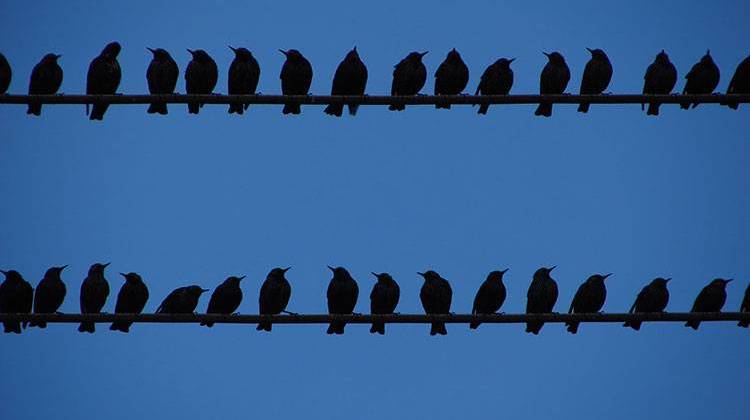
[[409, 77]]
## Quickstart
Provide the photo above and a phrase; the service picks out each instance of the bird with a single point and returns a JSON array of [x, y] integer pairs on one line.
[[497, 79], [46, 78], [660, 79], [182, 300], [6, 74], [596, 76], [541, 297], [553, 81], [103, 78], [652, 298], [490, 296], [409, 77], [94, 292], [200, 77], [745, 307], [350, 79], [342, 297], [296, 78], [161, 75], [436, 295], [49, 294], [244, 73], [588, 299], [702, 78], [710, 299], [131, 299], [274, 296], [451, 77], [225, 299], [16, 297], [740, 82], [383, 299]]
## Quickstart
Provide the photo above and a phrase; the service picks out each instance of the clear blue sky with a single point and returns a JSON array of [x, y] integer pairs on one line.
[[187, 199]]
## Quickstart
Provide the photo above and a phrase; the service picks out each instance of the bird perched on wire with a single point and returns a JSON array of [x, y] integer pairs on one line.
[[16, 297], [660, 79], [103, 78], [49, 294], [497, 79], [451, 77], [409, 77], [596, 76], [490, 296], [46, 78], [652, 298], [436, 295], [383, 299], [161, 75], [182, 300], [131, 299], [710, 299], [702, 78], [740, 82], [588, 299], [94, 293], [225, 299], [541, 297], [296, 78], [244, 73], [350, 79], [553, 81], [6, 74], [200, 77], [274, 295], [745, 307], [342, 297]]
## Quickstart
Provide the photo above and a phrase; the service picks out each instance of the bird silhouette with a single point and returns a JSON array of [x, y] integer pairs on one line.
[[436, 295], [6, 74], [553, 81], [490, 296], [182, 300], [710, 299], [161, 75], [702, 78], [383, 299], [103, 78], [200, 77], [131, 299], [451, 77], [497, 79], [94, 292], [342, 297], [225, 299], [652, 298], [46, 78], [745, 307], [596, 76], [16, 297], [49, 294], [541, 297], [296, 78], [274, 295], [409, 77], [740, 82], [350, 79], [244, 73], [660, 79], [588, 299]]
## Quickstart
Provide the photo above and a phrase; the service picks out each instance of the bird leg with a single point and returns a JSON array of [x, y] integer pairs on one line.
[[290, 313]]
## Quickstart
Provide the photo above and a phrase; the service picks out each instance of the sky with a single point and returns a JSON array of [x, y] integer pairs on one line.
[[193, 199]]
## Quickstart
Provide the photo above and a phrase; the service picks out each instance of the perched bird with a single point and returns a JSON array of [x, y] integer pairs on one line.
[[541, 297], [383, 299], [497, 79], [296, 78], [16, 297], [5, 74], [588, 299], [409, 76], [161, 75], [745, 307], [436, 295], [49, 294], [244, 73], [652, 298], [94, 292], [350, 79], [710, 299], [596, 76], [130, 300], [200, 77], [46, 79], [225, 299], [182, 300], [702, 78], [660, 78], [103, 78], [740, 82], [342, 297], [274, 296], [490, 296], [451, 77], [553, 80]]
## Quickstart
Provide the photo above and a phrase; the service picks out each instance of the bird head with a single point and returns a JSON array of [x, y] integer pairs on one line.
[[241, 53], [132, 277], [159, 53], [339, 273], [382, 277], [555, 57], [234, 280], [12, 275], [598, 54], [54, 272], [497, 275], [429, 275], [504, 62], [111, 50], [543, 273], [662, 57], [292, 54], [98, 268], [721, 282]]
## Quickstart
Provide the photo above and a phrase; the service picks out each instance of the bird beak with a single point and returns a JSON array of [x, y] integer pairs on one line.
[[374, 273], [727, 281], [124, 275], [354, 49], [232, 48], [191, 51], [284, 52], [63, 267], [505, 271], [607, 275], [57, 56], [330, 268], [590, 50], [668, 280], [241, 278], [552, 268], [547, 54], [4, 272], [286, 269], [105, 265], [153, 50], [420, 273], [204, 290], [423, 54], [511, 60]]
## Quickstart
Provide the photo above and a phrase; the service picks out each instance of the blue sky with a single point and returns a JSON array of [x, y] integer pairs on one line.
[[184, 199]]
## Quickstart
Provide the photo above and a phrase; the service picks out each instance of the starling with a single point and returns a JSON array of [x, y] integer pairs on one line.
[[225, 299], [383, 299], [350, 79], [541, 297], [130, 300], [94, 292], [588, 299], [451, 77], [740, 82], [660, 78], [296, 78], [436, 295], [103, 78], [652, 298], [409, 76], [342, 297], [702, 78], [710, 299], [596, 76], [200, 77], [182, 300], [490, 296], [274, 296], [497, 79], [553, 81], [16, 297], [5, 74], [46, 79], [244, 73], [745, 307], [49, 294], [162, 74]]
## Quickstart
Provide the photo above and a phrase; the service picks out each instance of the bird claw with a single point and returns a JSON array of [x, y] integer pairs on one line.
[[290, 313], [357, 313]]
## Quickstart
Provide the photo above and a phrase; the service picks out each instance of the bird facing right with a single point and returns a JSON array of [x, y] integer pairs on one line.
[[596, 76], [451, 77], [225, 299], [541, 297], [497, 79], [274, 296], [652, 298], [49, 295], [490, 296], [409, 77], [46, 79], [740, 82], [103, 78], [94, 293], [350, 79], [702, 79], [660, 79], [16, 296], [436, 296], [6, 74], [182, 300], [710, 299], [553, 81], [588, 299], [130, 300], [745, 307]]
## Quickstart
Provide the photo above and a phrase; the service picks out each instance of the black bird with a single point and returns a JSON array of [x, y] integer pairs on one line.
[[350, 79], [409, 77], [652, 298], [182, 300], [436, 295], [596, 76], [745, 307], [497, 79], [16, 297], [451, 77], [588, 299], [702, 78], [225, 299], [49, 294], [5, 74], [296, 78], [383, 299], [660, 78], [553, 80], [274, 296], [130, 300], [342, 297], [200, 77], [490, 296], [103, 78], [244, 73], [710, 299], [94, 292], [541, 297], [740, 82], [161, 75], [46, 79]]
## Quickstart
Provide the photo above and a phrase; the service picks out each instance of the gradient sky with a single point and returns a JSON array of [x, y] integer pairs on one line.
[[184, 199]]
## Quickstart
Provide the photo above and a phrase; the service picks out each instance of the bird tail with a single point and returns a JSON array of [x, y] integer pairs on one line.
[[544, 109], [157, 108], [97, 111], [36, 109], [653, 109], [685, 105], [336, 327], [572, 327], [40, 324], [292, 109], [120, 326], [438, 328], [396, 107], [693, 324], [732, 105], [263, 326], [442, 106], [378, 327], [194, 108], [475, 325], [236, 109], [636, 325], [583, 107], [334, 109], [354, 107], [87, 327], [534, 327], [744, 324], [483, 109], [207, 324], [12, 327]]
